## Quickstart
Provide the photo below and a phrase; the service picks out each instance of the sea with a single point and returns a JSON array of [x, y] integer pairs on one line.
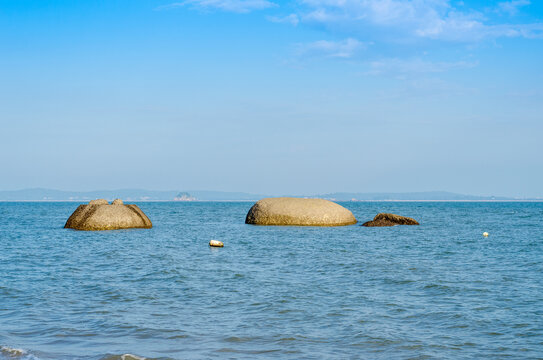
[[435, 291]]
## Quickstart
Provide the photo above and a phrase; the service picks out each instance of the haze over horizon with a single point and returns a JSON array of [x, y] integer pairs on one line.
[[206, 194], [273, 97], [40, 194]]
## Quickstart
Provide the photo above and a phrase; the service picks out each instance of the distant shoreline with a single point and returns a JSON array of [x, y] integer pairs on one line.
[[142, 195], [226, 201]]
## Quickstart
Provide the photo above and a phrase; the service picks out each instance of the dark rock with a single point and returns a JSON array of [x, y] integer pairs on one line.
[[390, 220]]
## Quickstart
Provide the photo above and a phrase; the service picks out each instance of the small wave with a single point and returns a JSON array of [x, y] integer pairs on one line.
[[236, 339], [125, 357], [7, 352], [12, 352]]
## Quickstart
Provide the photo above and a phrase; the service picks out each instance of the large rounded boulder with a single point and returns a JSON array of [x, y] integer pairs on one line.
[[298, 212], [384, 219], [100, 215]]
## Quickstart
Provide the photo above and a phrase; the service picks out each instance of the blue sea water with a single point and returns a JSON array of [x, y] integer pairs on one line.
[[435, 291]]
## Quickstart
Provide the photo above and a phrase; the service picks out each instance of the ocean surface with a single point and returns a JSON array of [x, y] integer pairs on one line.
[[435, 291]]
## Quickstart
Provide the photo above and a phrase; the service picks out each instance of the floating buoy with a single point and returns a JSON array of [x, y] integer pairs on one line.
[[216, 243], [485, 234]]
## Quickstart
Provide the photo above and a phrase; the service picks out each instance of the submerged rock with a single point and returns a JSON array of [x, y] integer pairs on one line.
[[99, 215], [390, 220], [298, 212]]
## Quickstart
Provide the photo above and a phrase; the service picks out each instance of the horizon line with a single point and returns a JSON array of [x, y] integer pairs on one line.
[[256, 193]]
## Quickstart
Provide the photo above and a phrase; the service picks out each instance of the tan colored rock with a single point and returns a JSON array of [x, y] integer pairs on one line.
[[298, 212], [98, 215], [117, 202], [390, 220]]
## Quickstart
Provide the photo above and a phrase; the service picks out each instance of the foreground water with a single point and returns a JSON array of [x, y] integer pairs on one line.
[[439, 290]]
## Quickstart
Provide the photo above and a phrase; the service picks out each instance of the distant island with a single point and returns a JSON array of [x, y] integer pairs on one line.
[[184, 196], [41, 194]]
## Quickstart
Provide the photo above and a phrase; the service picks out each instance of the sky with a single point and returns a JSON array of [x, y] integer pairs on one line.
[[273, 97]]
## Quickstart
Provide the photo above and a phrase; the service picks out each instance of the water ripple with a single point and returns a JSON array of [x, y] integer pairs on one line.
[[435, 291]]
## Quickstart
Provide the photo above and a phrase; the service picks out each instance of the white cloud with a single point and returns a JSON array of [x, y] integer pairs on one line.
[[512, 7], [237, 6], [401, 67], [432, 19], [529, 31], [335, 49], [290, 19], [378, 12]]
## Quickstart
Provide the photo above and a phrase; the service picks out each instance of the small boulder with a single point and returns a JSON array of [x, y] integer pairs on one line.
[[298, 212], [100, 215], [390, 220], [117, 202]]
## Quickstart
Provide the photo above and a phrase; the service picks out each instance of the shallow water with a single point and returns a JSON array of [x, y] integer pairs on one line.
[[435, 291]]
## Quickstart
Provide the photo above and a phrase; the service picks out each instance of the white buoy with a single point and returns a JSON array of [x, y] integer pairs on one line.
[[216, 243], [485, 234]]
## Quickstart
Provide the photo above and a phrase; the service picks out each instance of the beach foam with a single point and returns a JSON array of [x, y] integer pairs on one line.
[[12, 351], [7, 352], [125, 357]]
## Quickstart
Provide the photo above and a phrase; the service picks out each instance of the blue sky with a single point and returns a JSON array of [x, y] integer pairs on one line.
[[298, 97]]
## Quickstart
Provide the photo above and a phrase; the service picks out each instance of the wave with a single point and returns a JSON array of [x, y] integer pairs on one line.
[[125, 357], [9, 353], [5, 350]]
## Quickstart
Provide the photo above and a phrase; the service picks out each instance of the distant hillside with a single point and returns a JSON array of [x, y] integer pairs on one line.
[[200, 195], [429, 195]]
